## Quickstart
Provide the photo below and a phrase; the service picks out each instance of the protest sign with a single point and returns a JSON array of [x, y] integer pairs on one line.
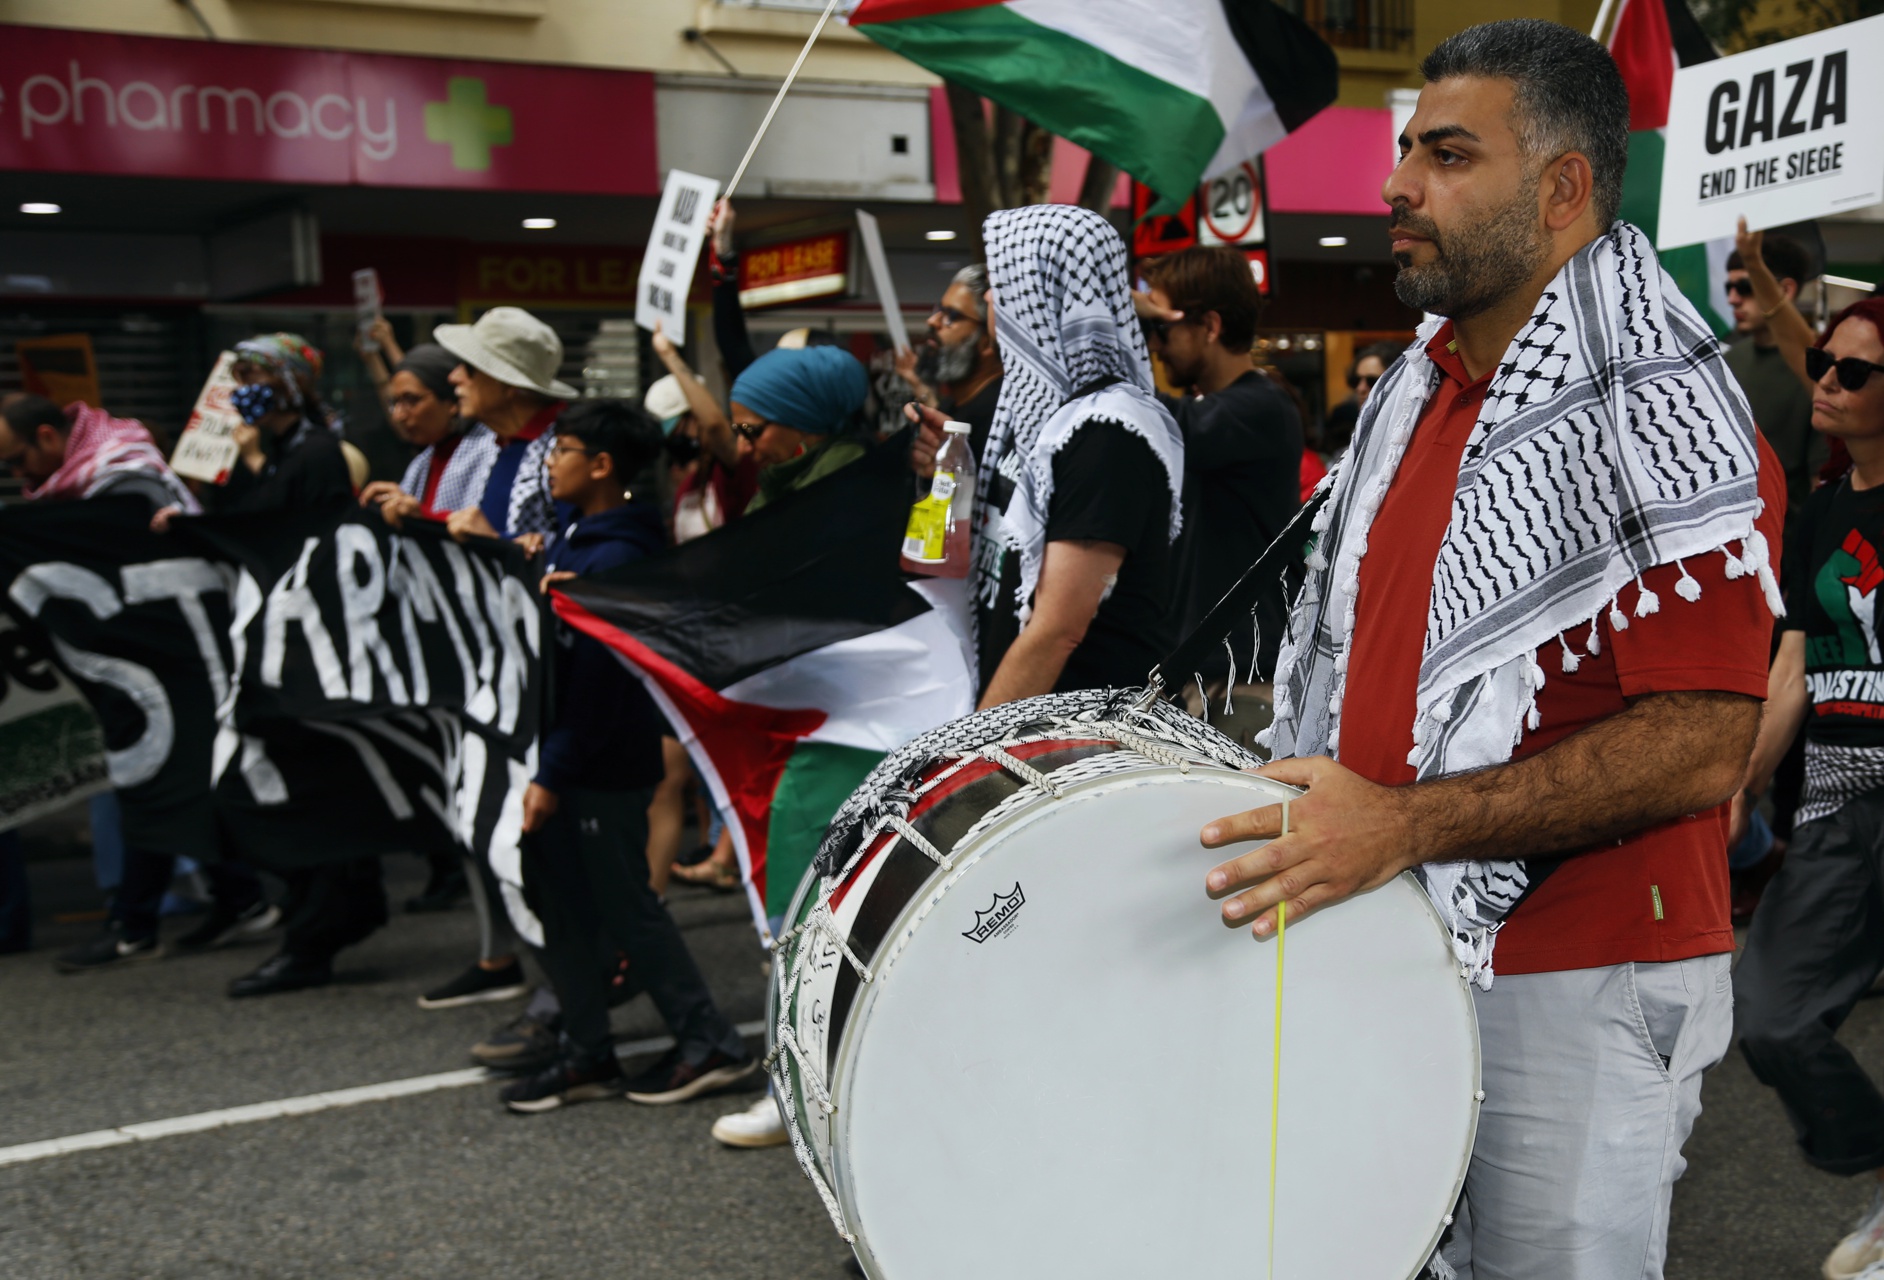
[[207, 448], [60, 367], [673, 250], [1778, 134], [366, 303], [880, 276]]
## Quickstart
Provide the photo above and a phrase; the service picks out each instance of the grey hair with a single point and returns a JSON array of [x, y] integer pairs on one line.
[[1567, 92], [974, 277]]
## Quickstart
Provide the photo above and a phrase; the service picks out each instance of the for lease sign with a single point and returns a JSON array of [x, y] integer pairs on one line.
[[1778, 134]]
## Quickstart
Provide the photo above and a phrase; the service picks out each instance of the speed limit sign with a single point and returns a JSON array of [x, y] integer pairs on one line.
[[1230, 207]]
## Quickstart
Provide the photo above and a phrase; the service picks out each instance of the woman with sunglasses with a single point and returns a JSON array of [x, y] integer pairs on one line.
[[1817, 939]]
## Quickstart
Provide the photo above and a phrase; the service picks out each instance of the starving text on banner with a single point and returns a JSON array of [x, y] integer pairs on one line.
[[337, 616]]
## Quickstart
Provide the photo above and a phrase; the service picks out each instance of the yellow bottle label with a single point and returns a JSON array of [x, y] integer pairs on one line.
[[927, 534]]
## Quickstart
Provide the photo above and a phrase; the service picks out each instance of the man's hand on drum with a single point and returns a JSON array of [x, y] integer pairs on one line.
[[1346, 835]]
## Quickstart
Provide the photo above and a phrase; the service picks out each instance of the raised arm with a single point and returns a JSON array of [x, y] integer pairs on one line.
[[716, 429], [1791, 331]]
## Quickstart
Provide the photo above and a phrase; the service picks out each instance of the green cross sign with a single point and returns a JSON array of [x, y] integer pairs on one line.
[[467, 123]]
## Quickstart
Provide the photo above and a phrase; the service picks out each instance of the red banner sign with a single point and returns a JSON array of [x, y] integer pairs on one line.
[[817, 267], [86, 102]]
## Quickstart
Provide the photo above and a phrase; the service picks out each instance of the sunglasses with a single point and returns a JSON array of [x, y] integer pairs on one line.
[[1354, 382], [1853, 373], [750, 431], [1740, 288]]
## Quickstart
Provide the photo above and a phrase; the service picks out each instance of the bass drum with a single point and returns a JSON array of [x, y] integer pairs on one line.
[[1012, 1038]]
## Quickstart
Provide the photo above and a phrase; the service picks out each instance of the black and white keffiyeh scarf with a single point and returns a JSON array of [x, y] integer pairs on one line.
[[1064, 321], [1612, 440], [466, 470]]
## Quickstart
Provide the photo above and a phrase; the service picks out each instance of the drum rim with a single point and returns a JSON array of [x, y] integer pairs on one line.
[[836, 1171]]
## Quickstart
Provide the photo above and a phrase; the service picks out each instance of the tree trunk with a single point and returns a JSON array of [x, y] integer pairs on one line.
[[1095, 193], [974, 157], [1036, 164]]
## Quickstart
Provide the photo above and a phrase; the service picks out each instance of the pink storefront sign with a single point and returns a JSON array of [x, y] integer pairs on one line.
[[1336, 163], [89, 102]]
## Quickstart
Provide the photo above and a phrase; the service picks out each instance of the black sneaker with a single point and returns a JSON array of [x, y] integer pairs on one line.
[[477, 985], [282, 973], [674, 1079], [109, 948], [223, 925], [441, 893], [524, 1043], [564, 1083]]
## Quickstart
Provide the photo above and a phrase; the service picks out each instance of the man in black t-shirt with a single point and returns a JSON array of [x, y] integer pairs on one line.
[[1242, 440], [1080, 477]]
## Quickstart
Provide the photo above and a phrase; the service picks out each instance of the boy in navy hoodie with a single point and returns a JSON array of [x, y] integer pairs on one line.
[[585, 815]]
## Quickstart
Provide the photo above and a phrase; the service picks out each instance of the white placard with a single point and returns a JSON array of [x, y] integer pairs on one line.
[[207, 448], [366, 303], [1778, 134], [673, 250], [880, 276]]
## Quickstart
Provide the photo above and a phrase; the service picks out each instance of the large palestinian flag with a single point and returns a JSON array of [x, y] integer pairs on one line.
[[790, 653], [1171, 91], [1650, 40]]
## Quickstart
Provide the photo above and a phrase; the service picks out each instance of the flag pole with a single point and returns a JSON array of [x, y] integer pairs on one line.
[[1602, 20], [771, 111]]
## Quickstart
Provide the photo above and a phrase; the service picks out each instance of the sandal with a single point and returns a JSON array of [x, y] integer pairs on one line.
[[708, 875]]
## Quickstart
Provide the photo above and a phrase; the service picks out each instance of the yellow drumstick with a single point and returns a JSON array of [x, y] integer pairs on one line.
[[1275, 1073]]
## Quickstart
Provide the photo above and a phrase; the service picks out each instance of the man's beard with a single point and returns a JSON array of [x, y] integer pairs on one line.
[[1484, 268], [945, 362]]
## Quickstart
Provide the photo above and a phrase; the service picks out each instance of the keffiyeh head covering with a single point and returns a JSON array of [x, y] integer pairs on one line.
[[289, 355], [817, 390], [98, 449], [1071, 353]]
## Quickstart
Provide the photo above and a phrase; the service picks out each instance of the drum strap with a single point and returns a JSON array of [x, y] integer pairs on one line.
[[1275, 1071]]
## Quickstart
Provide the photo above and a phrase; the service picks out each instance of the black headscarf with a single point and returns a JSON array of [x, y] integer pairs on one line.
[[431, 364]]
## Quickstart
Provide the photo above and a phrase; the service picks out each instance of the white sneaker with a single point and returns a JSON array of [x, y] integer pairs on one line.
[[759, 1125], [1858, 1253]]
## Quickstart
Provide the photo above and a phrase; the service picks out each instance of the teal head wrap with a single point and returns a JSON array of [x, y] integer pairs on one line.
[[817, 390]]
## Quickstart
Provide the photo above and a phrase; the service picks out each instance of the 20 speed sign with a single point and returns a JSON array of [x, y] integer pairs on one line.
[[1230, 207]]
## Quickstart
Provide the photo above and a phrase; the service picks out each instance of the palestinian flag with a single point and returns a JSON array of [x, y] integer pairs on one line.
[[790, 653], [1650, 40], [1171, 91]]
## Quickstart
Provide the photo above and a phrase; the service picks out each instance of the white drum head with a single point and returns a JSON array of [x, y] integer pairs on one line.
[[1081, 1085]]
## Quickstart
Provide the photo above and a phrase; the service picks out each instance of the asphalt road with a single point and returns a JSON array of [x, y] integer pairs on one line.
[[446, 1184]]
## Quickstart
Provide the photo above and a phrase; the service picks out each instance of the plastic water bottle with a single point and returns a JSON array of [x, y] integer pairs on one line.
[[936, 541]]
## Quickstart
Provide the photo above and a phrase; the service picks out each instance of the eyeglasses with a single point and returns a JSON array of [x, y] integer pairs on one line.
[[557, 450], [1741, 288], [1853, 373], [410, 400], [750, 431], [950, 315], [1357, 380], [1160, 329]]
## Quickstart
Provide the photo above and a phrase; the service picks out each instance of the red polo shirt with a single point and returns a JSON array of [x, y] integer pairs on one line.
[[1660, 894]]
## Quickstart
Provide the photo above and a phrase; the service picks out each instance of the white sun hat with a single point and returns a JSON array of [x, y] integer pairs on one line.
[[512, 346], [665, 399]]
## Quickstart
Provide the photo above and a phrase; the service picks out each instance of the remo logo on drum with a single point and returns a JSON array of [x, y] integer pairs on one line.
[[999, 919]]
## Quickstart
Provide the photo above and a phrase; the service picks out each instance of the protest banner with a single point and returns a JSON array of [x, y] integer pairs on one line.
[[207, 448], [60, 367], [673, 251], [880, 276], [52, 751], [1778, 134]]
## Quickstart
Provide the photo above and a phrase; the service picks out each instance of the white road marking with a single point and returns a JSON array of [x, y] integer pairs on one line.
[[307, 1104]]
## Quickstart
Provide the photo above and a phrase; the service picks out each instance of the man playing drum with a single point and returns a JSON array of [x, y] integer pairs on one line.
[[1561, 476]]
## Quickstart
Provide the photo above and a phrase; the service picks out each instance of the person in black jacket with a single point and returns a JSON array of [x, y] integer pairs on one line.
[[1242, 440], [290, 454], [585, 817], [291, 461]]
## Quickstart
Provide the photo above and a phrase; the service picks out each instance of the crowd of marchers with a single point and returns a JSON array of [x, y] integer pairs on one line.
[[1148, 516]]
